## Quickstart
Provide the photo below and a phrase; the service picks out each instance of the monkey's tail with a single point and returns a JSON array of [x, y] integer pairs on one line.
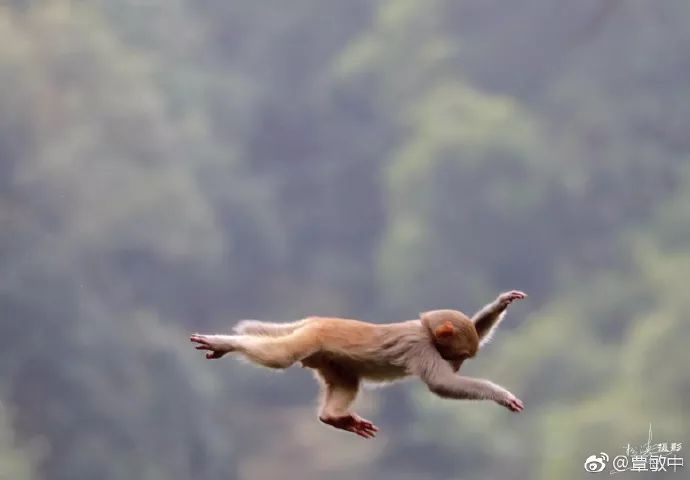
[[268, 329]]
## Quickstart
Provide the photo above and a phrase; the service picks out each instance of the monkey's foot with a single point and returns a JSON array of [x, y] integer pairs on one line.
[[216, 346], [352, 423], [507, 298]]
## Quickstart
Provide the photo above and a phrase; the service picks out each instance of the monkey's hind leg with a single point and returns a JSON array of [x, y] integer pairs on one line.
[[217, 345], [340, 390], [271, 352]]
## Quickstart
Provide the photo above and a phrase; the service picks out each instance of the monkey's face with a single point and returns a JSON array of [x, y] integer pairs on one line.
[[459, 345], [455, 364], [454, 334]]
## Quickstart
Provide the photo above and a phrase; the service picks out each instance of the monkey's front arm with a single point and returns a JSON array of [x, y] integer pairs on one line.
[[443, 382], [490, 316]]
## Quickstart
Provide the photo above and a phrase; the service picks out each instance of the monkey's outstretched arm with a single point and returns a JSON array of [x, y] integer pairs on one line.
[[490, 316], [443, 382]]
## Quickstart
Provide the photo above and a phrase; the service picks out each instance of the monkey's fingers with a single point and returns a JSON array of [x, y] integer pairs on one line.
[[513, 295], [515, 405], [214, 355], [517, 295]]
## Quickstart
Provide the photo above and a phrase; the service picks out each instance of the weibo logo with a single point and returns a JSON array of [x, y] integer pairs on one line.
[[596, 463]]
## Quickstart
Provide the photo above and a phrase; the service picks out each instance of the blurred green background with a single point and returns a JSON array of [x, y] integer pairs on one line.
[[169, 166]]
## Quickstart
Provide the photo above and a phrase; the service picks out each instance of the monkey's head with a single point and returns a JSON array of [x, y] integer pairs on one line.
[[453, 334]]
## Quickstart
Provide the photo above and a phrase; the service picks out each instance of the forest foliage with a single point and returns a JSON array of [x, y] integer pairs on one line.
[[169, 166]]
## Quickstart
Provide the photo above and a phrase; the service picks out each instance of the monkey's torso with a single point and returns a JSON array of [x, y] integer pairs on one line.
[[379, 372], [367, 350]]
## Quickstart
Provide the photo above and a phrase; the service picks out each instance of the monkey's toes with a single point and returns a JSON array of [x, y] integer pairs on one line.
[[364, 428], [197, 338], [205, 343], [352, 423], [214, 354]]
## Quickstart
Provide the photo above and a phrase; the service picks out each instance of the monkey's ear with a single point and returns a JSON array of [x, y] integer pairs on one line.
[[445, 330]]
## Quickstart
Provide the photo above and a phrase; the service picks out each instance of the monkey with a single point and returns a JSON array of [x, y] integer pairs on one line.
[[345, 352]]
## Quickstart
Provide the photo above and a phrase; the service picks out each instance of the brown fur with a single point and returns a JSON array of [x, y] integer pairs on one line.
[[454, 335], [343, 352]]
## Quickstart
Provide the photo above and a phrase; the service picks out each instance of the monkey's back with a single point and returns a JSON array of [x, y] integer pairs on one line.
[[363, 348]]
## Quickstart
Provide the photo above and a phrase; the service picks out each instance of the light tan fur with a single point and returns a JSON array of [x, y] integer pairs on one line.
[[343, 352]]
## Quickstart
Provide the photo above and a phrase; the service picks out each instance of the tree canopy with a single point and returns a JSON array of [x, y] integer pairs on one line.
[[174, 166]]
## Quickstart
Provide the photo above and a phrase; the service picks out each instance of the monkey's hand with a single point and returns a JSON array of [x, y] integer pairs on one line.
[[352, 423], [511, 402], [217, 345], [506, 298]]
